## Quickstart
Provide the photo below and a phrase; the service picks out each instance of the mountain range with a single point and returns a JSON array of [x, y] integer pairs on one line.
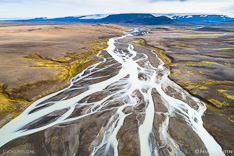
[[202, 18], [136, 19]]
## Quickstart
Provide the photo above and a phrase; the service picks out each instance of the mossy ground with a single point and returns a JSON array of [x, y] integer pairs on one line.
[[203, 77], [157, 50], [64, 69], [8, 105]]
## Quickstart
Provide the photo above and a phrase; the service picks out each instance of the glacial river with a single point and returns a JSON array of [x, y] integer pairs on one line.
[[134, 82]]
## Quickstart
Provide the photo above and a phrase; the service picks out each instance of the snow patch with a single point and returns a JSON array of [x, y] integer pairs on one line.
[[190, 16], [98, 16]]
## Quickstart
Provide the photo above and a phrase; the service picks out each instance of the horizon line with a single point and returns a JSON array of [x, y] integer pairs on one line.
[[163, 14]]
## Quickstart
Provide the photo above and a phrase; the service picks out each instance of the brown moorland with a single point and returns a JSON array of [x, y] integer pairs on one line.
[[202, 63], [39, 59]]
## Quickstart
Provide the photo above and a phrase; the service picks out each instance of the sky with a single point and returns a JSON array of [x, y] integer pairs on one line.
[[20, 9]]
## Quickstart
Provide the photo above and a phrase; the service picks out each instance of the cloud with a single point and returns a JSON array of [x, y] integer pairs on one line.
[[5, 1], [10, 1], [229, 8], [60, 8], [111, 1], [167, 0]]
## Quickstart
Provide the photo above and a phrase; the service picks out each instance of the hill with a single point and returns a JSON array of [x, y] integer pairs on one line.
[[141, 19], [214, 29], [137, 19]]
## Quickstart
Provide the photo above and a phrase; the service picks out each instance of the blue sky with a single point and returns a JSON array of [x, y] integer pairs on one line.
[[61, 8]]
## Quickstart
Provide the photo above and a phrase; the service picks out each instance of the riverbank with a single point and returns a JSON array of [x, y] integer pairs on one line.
[[37, 60]]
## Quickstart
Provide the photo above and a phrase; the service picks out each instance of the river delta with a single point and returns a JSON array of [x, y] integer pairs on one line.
[[162, 90]]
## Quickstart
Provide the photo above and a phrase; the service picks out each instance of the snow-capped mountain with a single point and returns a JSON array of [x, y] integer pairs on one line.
[[96, 16], [137, 18], [202, 18]]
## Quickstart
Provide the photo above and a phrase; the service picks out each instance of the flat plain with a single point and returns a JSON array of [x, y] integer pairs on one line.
[[37, 60]]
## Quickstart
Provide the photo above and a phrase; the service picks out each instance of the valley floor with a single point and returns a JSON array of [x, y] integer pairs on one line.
[[37, 60]]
